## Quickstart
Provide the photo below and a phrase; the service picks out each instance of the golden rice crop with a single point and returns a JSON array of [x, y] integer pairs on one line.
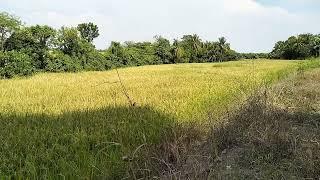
[[181, 90]]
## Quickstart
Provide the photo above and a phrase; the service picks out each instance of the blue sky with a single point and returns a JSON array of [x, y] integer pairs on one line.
[[249, 25]]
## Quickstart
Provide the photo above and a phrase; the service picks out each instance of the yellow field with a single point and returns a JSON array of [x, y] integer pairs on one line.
[[182, 90]]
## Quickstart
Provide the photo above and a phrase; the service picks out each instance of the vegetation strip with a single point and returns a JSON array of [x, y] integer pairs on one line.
[[25, 50]]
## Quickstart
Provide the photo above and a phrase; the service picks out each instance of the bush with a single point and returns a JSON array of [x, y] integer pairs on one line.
[[96, 61], [57, 61], [256, 56], [15, 64]]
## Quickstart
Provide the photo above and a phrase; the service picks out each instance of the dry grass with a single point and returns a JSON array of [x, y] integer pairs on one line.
[[275, 136]]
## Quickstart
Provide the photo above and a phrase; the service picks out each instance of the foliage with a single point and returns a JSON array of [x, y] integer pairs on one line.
[[162, 49], [302, 46], [8, 24], [115, 53], [88, 31], [255, 55], [35, 41], [190, 49], [192, 46], [95, 61], [71, 48], [57, 61], [140, 53], [70, 42], [15, 64]]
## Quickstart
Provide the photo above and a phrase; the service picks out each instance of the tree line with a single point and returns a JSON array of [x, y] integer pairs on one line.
[[302, 46], [28, 49]]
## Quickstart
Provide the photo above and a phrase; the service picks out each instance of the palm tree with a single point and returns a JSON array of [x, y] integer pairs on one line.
[[316, 45], [223, 47]]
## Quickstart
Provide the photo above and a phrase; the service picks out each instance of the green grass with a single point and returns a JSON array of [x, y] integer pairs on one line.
[[80, 124]]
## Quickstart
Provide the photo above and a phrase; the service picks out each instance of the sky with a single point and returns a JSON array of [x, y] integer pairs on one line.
[[249, 25]]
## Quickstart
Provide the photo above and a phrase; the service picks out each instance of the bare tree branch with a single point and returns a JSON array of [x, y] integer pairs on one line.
[[124, 91]]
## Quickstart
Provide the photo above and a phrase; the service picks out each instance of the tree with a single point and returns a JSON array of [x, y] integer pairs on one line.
[[224, 48], [162, 49], [316, 45], [177, 52], [212, 51], [15, 64], [69, 41], [297, 47], [71, 49], [8, 24], [88, 31], [140, 53], [278, 50], [116, 54], [192, 46], [34, 41], [43, 35], [20, 40]]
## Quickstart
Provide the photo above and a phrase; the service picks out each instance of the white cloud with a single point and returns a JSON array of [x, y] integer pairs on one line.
[[248, 25]]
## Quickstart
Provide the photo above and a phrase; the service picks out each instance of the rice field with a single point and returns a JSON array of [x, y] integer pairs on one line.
[[64, 125], [180, 90]]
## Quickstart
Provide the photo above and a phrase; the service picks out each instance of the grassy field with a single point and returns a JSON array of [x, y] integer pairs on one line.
[[180, 90], [80, 124]]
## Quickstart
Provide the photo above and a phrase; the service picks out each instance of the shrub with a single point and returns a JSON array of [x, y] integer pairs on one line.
[[57, 61], [96, 61], [15, 64]]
